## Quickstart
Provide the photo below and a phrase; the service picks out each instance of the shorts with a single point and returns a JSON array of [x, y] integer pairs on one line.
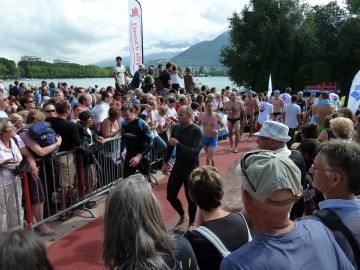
[[276, 113], [65, 169], [212, 142]]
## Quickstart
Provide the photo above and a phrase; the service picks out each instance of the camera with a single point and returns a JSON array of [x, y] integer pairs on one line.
[[16, 170]]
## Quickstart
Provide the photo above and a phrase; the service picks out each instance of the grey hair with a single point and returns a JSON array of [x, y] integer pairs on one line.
[[134, 231], [343, 157]]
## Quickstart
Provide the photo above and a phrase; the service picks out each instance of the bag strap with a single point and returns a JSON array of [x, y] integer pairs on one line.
[[209, 235], [333, 222], [249, 238]]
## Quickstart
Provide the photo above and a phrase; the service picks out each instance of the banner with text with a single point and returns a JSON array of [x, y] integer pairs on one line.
[[135, 35], [354, 94]]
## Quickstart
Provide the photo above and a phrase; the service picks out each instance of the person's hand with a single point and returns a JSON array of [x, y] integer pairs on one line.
[[135, 161], [173, 141], [34, 171], [9, 161], [216, 132], [58, 140], [100, 140], [122, 157]]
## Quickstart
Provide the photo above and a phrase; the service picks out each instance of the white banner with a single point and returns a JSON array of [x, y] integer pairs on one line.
[[354, 94], [269, 87], [135, 35]]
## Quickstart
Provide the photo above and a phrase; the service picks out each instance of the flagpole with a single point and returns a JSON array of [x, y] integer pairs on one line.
[[269, 87]]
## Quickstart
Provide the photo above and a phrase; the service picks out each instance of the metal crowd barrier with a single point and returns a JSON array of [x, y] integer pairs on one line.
[[82, 176]]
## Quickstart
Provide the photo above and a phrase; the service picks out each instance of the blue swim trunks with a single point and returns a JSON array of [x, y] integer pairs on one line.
[[212, 142]]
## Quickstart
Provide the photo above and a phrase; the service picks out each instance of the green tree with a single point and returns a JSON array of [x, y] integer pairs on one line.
[[354, 6], [3, 71], [266, 37]]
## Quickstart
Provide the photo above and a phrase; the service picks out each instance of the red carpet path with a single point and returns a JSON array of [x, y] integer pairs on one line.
[[82, 249]]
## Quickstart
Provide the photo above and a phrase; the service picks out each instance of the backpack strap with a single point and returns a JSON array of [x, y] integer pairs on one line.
[[333, 222], [209, 235], [249, 238]]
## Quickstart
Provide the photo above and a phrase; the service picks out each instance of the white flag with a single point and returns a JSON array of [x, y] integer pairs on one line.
[[135, 35], [269, 87], [354, 94]]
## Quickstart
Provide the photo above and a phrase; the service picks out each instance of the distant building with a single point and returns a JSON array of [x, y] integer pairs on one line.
[[30, 58], [60, 61]]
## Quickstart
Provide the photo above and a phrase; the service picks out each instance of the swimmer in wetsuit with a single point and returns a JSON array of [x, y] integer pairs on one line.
[[137, 139], [234, 109], [187, 138]]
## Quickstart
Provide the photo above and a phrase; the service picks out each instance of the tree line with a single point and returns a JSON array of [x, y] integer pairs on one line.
[[295, 42], [41, 69]]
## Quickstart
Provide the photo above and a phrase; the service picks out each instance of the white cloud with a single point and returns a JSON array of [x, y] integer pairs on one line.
[[88, 31]]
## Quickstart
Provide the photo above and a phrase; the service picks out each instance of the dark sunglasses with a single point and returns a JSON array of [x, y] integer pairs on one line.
[[31, 101], [50, 111]]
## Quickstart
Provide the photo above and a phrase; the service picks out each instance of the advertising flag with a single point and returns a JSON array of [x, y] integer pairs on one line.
[[269, 87], [135, 35], [354, 94]]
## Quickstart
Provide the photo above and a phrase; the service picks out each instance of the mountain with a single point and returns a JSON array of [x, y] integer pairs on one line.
[[163, 56], [205, 53]]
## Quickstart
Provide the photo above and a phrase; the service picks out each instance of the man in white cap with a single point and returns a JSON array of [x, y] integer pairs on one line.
[[274, 136], [270, 186]]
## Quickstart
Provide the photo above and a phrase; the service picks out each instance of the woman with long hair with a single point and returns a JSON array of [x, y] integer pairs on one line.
[[21, 249], [135, 236]]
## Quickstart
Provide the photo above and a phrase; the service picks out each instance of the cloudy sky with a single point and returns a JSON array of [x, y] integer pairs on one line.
[[89, 31]]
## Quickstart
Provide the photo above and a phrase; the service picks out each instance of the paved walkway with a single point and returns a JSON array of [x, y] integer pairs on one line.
[[78, 244]]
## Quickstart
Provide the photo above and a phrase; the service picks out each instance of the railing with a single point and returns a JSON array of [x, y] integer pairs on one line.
[[67, 182]]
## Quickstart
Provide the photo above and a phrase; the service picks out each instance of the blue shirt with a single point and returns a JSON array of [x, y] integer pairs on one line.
[[349, 212], [310, 245]]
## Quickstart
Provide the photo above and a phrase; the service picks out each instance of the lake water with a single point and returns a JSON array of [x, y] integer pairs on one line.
[[218, 82]]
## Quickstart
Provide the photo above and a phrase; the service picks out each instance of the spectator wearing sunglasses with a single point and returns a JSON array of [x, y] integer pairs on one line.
[[4, 103], [271, 184]]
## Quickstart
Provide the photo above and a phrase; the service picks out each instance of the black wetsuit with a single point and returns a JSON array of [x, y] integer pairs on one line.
[[187, 159], [137, 138]]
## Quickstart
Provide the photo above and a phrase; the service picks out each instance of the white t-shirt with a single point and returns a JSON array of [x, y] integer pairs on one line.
[[120, 73], [102, 112], [153, 115], [7, 176], [174, 78], [286, 98], [291, 112], [171, 112], [161, 120], [335, 100], [265, 109]]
